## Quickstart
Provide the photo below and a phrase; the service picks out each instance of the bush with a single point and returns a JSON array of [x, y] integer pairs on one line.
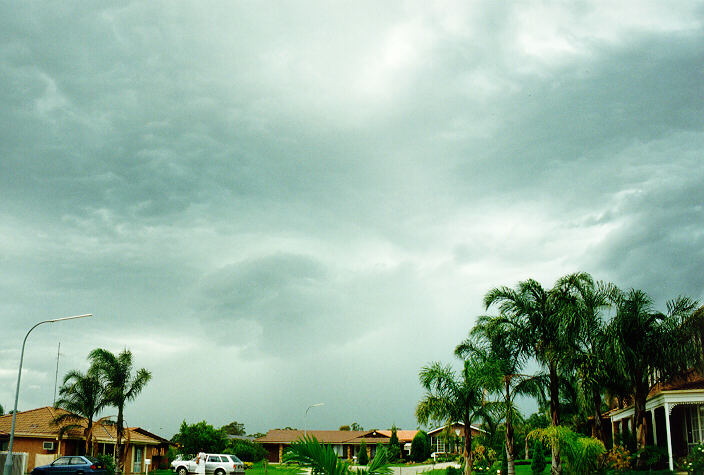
[[453, 471], [583, 454], [617, 459], [394, 449], [109, 462], [694, 463], [246, 450], [420, 447], [651, 457], [363, 457], [538, 463]]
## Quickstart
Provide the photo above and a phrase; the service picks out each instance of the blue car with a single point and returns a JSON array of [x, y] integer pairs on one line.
[[72, 465]]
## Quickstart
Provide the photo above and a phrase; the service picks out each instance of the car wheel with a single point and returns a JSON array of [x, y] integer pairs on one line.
[[219, 472], [79, 472], [182, 471]]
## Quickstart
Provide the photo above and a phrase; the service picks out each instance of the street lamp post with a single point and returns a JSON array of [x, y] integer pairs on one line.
[[8, 461], [304, 418]]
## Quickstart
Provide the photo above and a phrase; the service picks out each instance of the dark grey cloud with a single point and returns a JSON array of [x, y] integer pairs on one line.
[[311, 199]]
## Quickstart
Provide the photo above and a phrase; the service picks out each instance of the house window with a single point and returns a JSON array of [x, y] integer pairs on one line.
[[694, 424]]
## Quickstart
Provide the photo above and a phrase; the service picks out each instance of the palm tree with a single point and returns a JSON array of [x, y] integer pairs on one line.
[[450, 398], [121, 386], [82, 396], [530, 319], [323, 460], [650, 347], [500, 363], [585, 320]]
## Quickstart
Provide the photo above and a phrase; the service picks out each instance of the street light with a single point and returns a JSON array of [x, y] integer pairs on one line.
[[304, 417], [8, 461]]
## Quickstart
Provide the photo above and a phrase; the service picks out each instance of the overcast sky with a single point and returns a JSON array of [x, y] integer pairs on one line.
[[279, 204]]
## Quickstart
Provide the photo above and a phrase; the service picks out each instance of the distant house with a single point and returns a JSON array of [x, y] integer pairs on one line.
[[345, 443], [36, 435], [445, 438], [675, 416]]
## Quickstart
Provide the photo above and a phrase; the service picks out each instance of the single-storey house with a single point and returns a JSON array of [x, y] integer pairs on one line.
[[345, 443], [675, 416], [447, 439], [38, 436]]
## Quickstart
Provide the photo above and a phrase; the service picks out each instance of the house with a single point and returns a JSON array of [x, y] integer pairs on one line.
[[450, 439], [345, 443], [37, 435], [675, 416]]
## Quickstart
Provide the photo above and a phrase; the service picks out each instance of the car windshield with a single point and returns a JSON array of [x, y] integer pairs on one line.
[[92, 459], [235, 459]]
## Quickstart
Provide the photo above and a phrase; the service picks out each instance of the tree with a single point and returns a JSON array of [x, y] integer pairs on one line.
[[2, 411], [450, 398], [344, 428], [233, 428], [394, 450], [420, 447], [201, 435], [322, 459], [499, 362], [586, 321], [82, 396], [582, 453], [356, 426], [531, 319], [650, 347], [537, 464], [363, 457], [121, 386], [246, 450]]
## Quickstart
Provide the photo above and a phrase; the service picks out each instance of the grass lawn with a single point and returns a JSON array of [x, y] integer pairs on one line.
[[273, 469]]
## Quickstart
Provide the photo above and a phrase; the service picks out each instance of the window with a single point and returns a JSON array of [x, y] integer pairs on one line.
[[694, 424], [213, 458]]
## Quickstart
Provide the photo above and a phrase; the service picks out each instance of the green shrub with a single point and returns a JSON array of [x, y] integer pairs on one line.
[[363, 457], [109, 462], [246, 450], [651, 457], [453, 471], [694, 463], [394, 449], [420, 447], [538, 463]]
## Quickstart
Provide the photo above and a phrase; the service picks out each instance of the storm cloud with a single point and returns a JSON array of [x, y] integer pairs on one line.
[[306, 201]]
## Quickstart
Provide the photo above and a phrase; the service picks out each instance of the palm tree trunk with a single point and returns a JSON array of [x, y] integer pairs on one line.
[[509, 430], [640, 421], [88, 433], [120, 462], [468, 459], [556, 465], [597, 430]]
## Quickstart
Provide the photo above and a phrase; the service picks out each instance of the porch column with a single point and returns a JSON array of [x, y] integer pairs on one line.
[[669, 436], [655, 433]]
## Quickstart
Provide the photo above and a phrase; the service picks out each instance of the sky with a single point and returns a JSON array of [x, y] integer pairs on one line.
[[278, 204]]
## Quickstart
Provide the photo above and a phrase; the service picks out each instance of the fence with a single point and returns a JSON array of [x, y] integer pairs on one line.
[[19, 462]]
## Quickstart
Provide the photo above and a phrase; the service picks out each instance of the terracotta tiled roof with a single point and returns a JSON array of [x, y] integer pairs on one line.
[[403, 435], [324, 436], [690, 380], [39, 423]]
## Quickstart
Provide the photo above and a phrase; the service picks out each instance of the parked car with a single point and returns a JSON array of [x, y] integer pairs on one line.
[[72, 465], [216, 464]]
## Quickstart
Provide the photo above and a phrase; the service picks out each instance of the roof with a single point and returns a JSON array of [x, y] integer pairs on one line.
[[459, 425], [286, 436], [38, 423], [325, 436], [403, 435]]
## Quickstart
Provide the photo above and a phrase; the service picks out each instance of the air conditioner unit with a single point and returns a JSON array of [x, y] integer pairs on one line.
[[48, 446]]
